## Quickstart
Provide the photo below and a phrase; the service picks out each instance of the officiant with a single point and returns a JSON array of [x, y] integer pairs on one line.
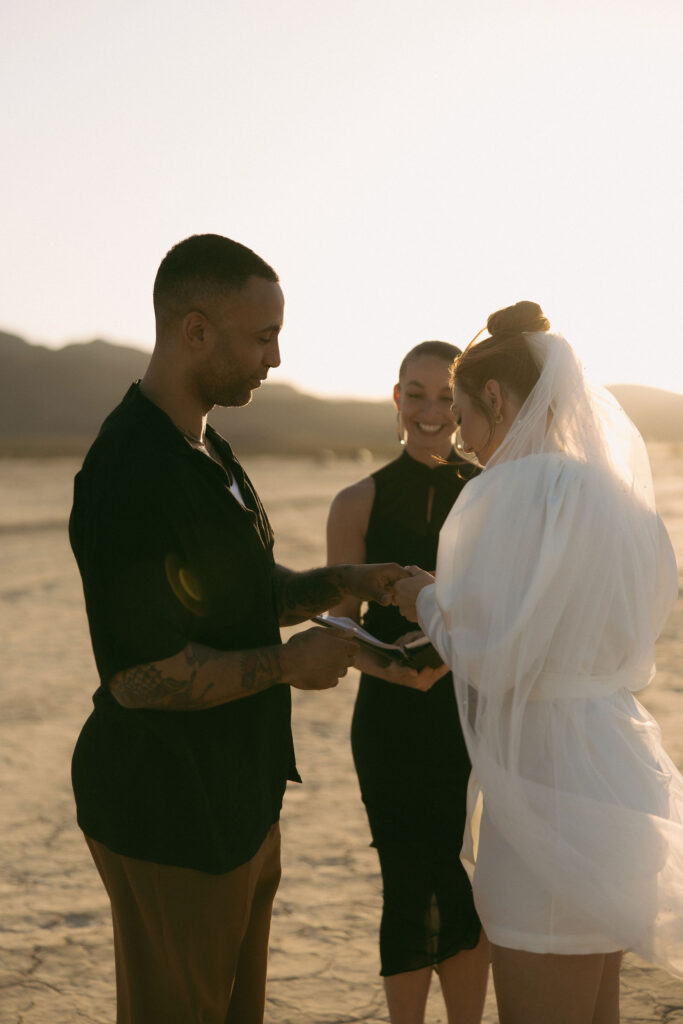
[[408, 748]]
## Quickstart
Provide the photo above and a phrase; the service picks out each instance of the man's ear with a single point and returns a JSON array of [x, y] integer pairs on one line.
[[195, 330]]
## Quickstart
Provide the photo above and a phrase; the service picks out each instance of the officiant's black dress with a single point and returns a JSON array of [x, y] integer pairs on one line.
[[408, 747]]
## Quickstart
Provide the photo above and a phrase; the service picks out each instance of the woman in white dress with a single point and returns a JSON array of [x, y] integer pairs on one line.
[[554, 577]]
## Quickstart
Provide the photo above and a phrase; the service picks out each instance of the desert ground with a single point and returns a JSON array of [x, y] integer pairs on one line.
[[56, 955]]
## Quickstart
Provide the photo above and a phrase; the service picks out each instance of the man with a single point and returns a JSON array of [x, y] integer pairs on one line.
[[180, 770]]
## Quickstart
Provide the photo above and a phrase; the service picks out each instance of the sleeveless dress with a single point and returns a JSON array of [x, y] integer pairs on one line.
[[408, 747]]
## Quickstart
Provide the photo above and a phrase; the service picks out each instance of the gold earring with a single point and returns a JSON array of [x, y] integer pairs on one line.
[[400, 430]]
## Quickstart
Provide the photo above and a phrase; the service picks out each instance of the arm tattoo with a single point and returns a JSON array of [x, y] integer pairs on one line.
[[260, 669], [147, 686], [154, 687], [198, 654], [300, 594]]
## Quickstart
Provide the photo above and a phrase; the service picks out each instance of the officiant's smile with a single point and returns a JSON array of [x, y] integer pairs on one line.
[[423, 405]]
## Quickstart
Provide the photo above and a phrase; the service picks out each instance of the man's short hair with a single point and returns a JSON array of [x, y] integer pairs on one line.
[[199, 267]]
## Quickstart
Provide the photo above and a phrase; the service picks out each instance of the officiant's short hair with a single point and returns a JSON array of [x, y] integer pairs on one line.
[[440, 349], [201, 265]]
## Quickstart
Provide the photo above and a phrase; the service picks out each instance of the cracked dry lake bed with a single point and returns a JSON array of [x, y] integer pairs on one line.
[[56, 955]]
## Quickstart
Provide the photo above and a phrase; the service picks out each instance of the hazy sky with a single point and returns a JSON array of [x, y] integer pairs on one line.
[[407, 167]]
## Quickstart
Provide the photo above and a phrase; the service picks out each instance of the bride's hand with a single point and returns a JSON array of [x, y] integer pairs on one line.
[[406, 591]]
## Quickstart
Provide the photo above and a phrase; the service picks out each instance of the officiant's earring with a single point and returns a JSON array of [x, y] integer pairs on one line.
[[401, 430]]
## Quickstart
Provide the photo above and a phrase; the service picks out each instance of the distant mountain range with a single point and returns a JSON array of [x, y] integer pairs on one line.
[[53, 401]]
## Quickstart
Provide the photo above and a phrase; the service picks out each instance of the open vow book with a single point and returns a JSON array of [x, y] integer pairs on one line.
[[418, 653]]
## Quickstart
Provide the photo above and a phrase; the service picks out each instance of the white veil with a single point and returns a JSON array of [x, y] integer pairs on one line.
[[554, 577], [564, 413]]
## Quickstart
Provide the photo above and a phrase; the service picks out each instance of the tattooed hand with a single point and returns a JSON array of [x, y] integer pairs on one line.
[[373, 582], [317, 658], [200, 677]]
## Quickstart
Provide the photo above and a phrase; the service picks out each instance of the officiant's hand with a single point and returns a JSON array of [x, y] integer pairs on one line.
[[406, 590], [373, 582], [317, 658], [383, 667]]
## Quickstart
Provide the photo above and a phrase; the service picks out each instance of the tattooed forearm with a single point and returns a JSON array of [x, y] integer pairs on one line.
[[261, 668], [302, 594], [198, 655], [197, 678], [147, 686]]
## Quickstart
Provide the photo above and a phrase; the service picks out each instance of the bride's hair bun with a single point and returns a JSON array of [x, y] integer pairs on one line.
[[523, 316]]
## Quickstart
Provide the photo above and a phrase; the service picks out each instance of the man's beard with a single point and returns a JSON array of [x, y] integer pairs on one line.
[[228, 394], [232, 398]]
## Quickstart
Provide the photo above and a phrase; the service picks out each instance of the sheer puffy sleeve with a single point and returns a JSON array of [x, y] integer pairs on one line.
[[548, 580]]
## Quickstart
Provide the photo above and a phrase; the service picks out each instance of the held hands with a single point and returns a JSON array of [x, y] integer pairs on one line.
[[317, 658], [374, 582], [406, 590], [377, 664]]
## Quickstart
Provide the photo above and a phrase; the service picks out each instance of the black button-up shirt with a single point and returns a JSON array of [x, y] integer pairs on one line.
[[168, 555]]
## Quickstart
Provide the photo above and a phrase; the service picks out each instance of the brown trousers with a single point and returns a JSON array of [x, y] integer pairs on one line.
[[190, 947]]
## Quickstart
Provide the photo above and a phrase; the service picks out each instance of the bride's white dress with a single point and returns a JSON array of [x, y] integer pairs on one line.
[[554, 577]]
